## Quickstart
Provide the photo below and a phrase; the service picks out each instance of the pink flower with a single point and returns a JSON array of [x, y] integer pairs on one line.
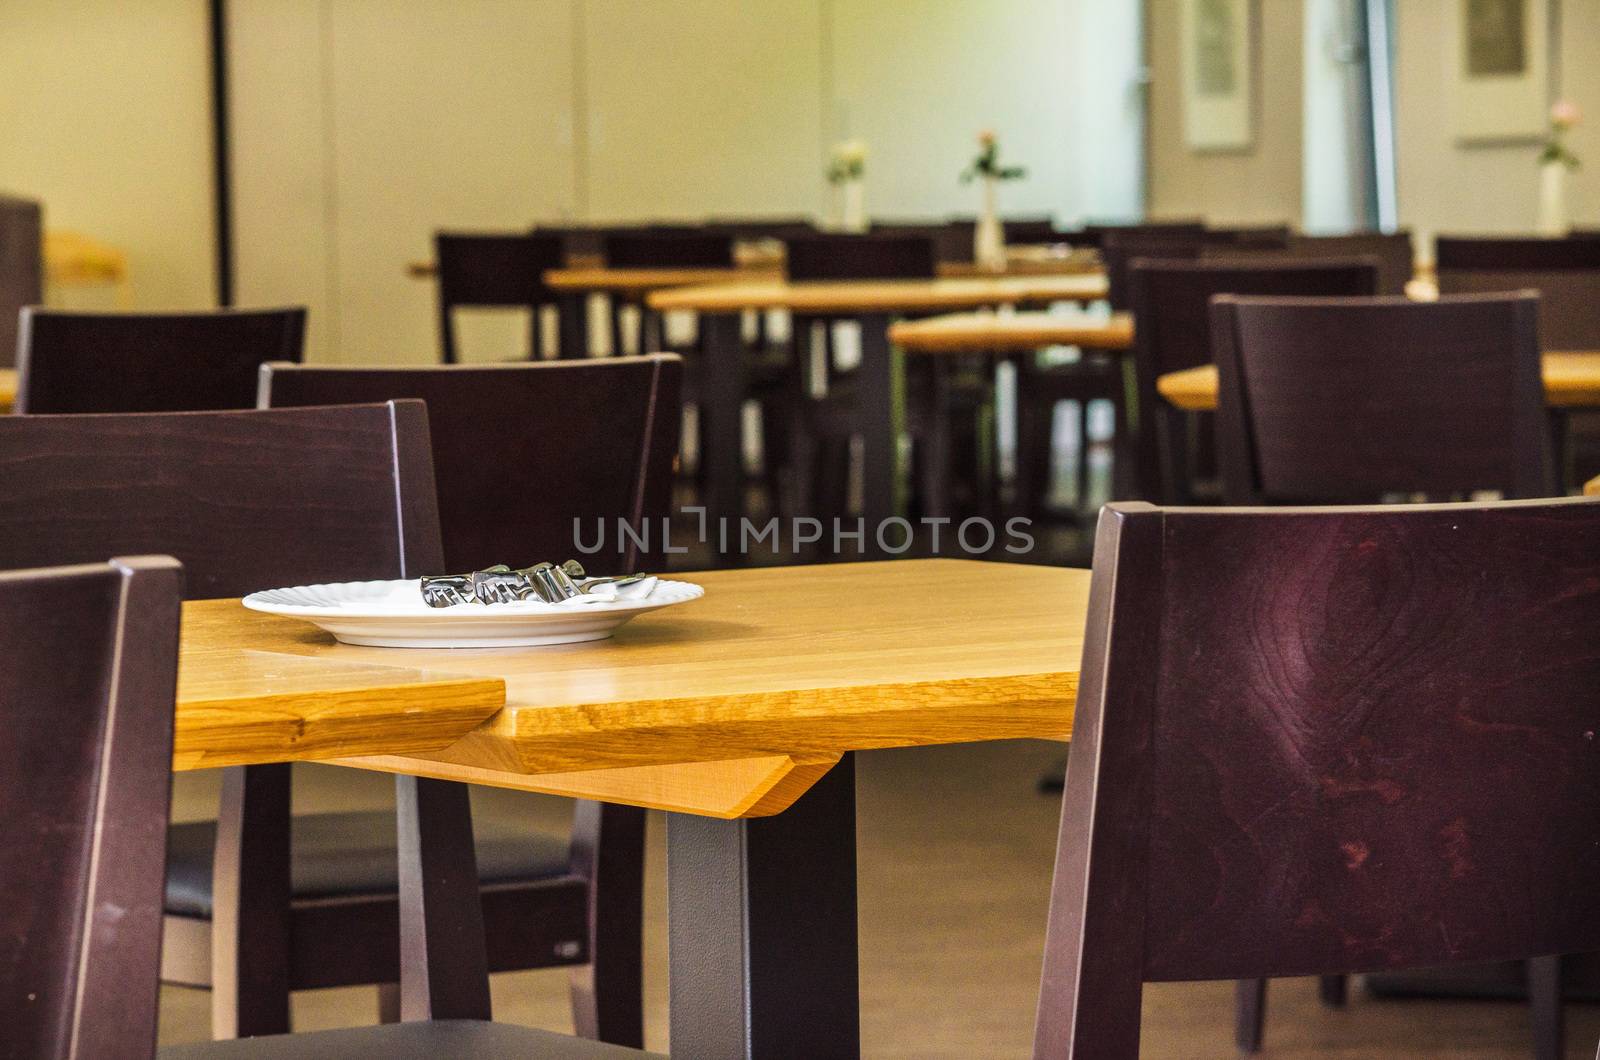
[[1564, 114], [986, 138]]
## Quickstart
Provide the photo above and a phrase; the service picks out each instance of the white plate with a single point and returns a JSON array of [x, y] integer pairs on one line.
[[392, 614]]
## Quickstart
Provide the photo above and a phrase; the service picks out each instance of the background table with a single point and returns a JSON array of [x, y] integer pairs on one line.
[[1571, 380], [1012, 332], [722, 385], [731, 706], [8, 388]]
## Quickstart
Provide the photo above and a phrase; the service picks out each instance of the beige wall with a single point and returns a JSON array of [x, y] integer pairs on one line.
[[1447, 187], [361, 126], [1261, 184], [105, 116]]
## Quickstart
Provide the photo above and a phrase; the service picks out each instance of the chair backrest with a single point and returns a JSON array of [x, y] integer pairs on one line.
[[150, 362], [762, 227], [1119, 249], [953, 241], [1565, 272], [1391, 250], [841, 256], [1346, 400], [21, 267], [529, 455], [1261, 237], [1325, 740], [499, 270], [88, 670], [1094, 234], [246, 500], [1172, 331], [663, 247]]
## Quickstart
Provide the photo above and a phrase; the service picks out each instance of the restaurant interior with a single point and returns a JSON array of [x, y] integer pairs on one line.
[[799, 528]]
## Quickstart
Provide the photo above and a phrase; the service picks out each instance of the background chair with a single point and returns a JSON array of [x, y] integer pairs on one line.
[[1392, 251], [823, 418], [21, 267], [503, 271], [1172, 331], [1565, 272], [1093, 234], [150, 362], [83, 803], [522, 452], [251, 500], [1347, 400], [84, 783], [659, 247], [1316, 741]]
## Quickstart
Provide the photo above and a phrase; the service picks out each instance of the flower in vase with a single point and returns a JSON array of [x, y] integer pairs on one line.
[[1564, 114], [987, 162], [847, 161]]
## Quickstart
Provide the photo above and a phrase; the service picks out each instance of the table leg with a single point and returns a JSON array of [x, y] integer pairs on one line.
[[722, 391], [572, 309], [881, 414], [762, 929]]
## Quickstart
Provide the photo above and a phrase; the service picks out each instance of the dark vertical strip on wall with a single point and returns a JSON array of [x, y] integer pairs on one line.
[[222, 177]]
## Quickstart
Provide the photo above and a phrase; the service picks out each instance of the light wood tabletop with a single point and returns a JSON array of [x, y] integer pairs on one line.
[[1571, 380], [728, 706], [599, 279], [8, 388], [882, 296], [243, 701], [1012, 332]]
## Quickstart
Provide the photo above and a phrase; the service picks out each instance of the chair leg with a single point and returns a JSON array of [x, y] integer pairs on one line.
[[1333, 989], [1083, 453], [250, 908], [1544, 999], [608, 992], [388, 1002], [1250, 1013]]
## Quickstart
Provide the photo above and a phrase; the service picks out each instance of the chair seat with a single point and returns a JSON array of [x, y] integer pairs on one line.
[[354, 853], [457, 1039]]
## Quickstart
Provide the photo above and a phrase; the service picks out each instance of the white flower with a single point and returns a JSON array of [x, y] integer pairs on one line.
[[850, 152]]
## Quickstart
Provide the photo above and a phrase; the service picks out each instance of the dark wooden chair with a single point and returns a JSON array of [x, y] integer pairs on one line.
[[523, 452], [1094, 376], [952, 240], [659, 247], [496, 270], [591, 441], [1093, 234], [1333, 400], [21, 267], [83, 803], [1393, 252], [1315, 741], [1565, 272], [1172, 331], [150, 362], [820, 427], [88, 668], [251, 500], [1261, 237]]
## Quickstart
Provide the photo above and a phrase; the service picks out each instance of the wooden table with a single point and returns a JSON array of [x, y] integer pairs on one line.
[[1012, 332], [1571, 380], [732, 706], [722, 385], [8, 389]]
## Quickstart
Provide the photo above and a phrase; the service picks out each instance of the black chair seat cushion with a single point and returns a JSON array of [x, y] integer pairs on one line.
[[435, 1040], [354, 853]]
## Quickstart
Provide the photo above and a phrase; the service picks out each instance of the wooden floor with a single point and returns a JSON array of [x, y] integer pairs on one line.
[[956, 851]]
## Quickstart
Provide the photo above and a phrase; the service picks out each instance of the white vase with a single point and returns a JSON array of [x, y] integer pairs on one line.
[[989, 238], [1553, 199], [853, 212]]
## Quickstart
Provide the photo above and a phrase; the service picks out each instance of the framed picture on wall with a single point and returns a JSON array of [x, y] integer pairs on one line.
[[1217, 38], [1499, 84]]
